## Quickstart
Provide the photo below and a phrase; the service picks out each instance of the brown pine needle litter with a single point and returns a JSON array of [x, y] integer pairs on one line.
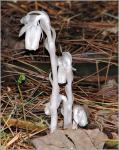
[[88, 30]]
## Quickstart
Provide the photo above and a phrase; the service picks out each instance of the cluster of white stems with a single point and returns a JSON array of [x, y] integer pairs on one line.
[[35, 23]]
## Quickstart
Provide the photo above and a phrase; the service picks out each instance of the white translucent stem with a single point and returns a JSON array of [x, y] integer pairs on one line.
[[68, 106], [55, 87]]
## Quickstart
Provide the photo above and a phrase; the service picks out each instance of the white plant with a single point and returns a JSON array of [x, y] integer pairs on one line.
[[35, 23]]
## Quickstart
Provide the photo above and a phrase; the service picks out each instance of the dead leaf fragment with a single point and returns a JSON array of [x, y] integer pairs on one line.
[[80, 139], [97, 137], [54, 141]]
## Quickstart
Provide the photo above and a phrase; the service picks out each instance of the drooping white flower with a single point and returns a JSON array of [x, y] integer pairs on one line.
[[32, 37], [64, 67], [33, 32], [67, 59], [35, 23]]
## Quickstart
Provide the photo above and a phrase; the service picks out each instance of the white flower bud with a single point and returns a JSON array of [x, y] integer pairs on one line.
[[79, 117], [67, 59], [67, 63], [61, 73]]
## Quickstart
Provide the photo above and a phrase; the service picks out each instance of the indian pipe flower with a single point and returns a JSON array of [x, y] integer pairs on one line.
[[35, 23], [64, 62]]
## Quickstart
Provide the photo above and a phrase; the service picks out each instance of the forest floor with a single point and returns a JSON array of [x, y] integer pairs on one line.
[[89, 31]]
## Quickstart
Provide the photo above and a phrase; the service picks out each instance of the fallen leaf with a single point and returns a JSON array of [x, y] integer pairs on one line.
[[80, 139]]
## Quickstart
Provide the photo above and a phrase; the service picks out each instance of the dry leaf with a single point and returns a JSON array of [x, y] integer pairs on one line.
[[80, 139]]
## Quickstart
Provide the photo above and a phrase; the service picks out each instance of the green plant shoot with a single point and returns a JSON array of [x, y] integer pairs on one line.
[[21, 79]]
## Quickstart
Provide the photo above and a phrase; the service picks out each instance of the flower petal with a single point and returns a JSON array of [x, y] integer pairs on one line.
[[79, 115], [25, 19], [24, 29], [32, 37]]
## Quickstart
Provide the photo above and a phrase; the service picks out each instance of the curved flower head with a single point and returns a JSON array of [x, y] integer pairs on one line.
[[67, 59], [61, 71], [65, 67], [35, 22], [32, 37], [30, 19]]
